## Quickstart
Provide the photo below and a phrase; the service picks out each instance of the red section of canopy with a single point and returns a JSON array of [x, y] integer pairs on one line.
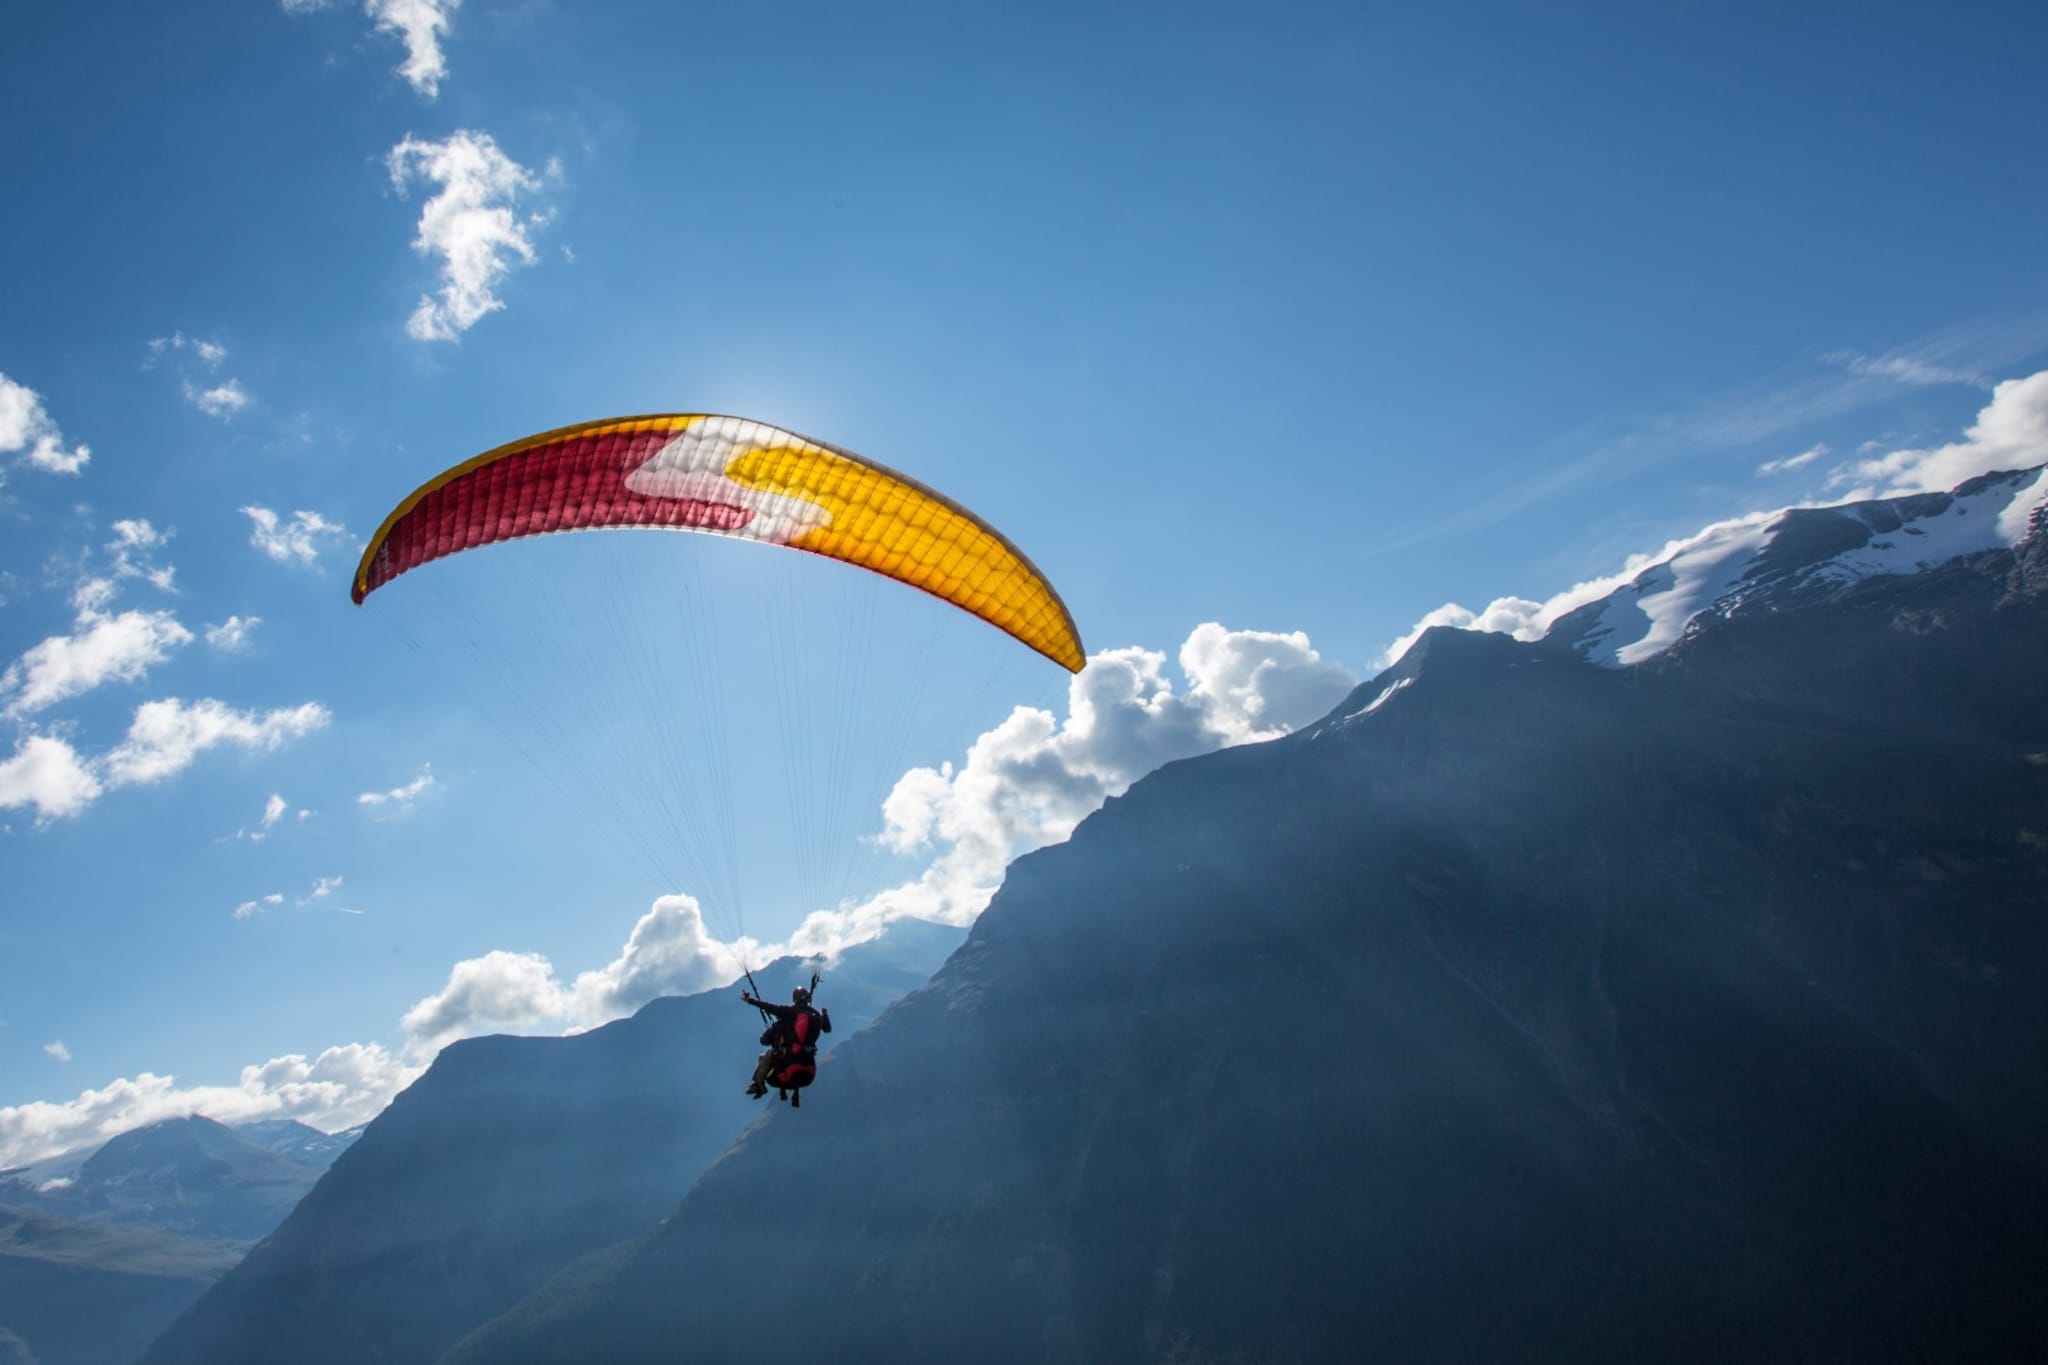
[[570, 485]]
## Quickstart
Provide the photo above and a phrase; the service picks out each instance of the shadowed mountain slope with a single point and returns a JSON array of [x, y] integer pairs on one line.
[[510, 1158], [1523, 1009]]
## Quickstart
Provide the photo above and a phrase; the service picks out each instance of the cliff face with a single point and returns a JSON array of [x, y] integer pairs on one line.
[[1521, 1009]]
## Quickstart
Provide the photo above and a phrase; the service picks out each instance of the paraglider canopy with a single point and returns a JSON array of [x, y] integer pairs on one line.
[[726, 476]]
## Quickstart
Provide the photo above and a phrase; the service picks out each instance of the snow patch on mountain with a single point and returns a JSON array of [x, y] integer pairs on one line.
[[1757, 562]]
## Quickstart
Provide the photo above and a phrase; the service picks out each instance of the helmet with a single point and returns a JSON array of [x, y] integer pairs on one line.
[[800, 996]]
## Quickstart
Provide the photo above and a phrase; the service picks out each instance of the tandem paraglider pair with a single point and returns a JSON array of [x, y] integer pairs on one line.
[[742, 479], [791, 1061]]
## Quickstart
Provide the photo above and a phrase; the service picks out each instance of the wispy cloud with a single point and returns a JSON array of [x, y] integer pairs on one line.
[[209, 353], [55, 1048], [251, 908], [300, 538], [1791, 462], [232, 635], [420, 24], [1907, 369], [223, 400], [274, 812], [1735, 419], [29, 436], [399, 800], [469, 225]]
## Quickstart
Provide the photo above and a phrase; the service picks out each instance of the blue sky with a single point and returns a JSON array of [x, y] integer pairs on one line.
[[1305, 321]]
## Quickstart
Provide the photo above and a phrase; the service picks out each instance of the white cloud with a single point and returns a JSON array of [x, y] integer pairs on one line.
[[49, 775], [168, 735], [105, 649], [421, 24], [339, 1088], [400, 799], [26, 430], [2011, 432], [135, 541], [469, 225], [222, 400], [322, 889], [1791, 462], [284, 541], [495, 992], [274, 809], [210, 353], [57, 1050], [232, 635], [1024, 784], [1906, 369]]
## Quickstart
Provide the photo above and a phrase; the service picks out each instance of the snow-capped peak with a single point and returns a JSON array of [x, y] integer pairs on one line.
[[1758, 561]]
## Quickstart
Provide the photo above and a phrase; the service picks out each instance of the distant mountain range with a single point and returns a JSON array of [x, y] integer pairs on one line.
[[1529, 1007], [101, 1247]]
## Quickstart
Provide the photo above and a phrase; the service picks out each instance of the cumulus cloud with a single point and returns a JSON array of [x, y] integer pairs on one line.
[[29, 436], [495, 992], [299, 539], [103, 649], [1023, 784], [232, 635], [1791, 462], [2011, 432], [56, 1049], [339, 1088], [469, 225], [46, 773], [51, 776], [166, 736], [399, 800]]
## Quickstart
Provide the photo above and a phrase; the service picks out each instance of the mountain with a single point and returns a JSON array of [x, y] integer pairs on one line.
[[1775, 562], [1523, 1009], [187, 1175], [510, 1158], [102, 1247], [298, 1141], [95, 1293]]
